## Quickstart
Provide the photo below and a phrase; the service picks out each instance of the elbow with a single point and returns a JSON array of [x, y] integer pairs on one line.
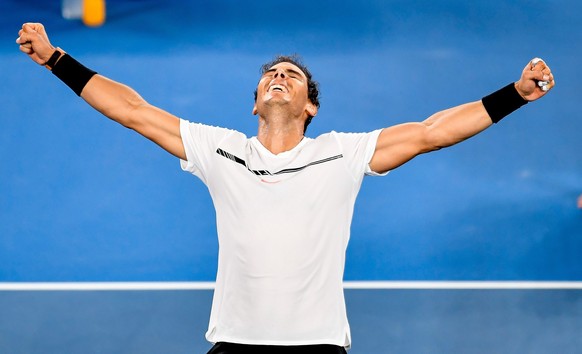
[[433, 140], [437, 139], [128, 112], [134, 113]]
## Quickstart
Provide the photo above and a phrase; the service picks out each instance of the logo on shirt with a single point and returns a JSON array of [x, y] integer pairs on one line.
[[269, 173]]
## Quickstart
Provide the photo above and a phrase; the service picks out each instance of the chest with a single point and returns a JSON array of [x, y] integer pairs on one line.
[[312, 176]]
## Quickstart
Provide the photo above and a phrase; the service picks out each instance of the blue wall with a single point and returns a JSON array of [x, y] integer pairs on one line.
[[82, 199]]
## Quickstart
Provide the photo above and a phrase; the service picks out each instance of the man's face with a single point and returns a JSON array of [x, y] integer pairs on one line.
[[284, 85]]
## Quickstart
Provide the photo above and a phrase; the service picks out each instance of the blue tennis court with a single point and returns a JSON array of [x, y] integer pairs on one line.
[[402, 320], [84, 201]]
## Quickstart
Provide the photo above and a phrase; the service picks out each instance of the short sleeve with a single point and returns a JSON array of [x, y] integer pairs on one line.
[[200, 143], [358, 149]]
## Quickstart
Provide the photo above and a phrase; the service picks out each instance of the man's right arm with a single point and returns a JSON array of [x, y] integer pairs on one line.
[[115, 100], [125, 106]]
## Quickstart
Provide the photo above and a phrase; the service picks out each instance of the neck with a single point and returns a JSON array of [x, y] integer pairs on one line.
[[279, 135]]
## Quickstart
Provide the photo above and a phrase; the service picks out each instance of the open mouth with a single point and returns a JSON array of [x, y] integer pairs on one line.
[[278, 88]]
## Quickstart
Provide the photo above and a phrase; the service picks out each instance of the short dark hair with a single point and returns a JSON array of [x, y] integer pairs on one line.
[[312, 85]]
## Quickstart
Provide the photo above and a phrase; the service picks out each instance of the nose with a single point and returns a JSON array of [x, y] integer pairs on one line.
[[279, 74]]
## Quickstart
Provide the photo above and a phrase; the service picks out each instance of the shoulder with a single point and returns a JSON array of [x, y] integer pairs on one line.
[[350, 138], [199, 130]]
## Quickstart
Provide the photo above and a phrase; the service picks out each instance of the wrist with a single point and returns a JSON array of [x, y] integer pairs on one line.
[[502, 102], [516, 84], [54, 58], [72, 73]]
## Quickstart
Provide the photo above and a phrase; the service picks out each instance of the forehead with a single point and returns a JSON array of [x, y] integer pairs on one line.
[[289, 67]]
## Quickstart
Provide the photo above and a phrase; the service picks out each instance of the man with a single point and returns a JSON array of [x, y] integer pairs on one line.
[[284, 202]]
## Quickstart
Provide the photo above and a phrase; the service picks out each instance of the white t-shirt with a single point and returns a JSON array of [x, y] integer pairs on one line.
[[283, 226]]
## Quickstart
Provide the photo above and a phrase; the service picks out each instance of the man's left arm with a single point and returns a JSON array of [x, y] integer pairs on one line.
[[398, 144]]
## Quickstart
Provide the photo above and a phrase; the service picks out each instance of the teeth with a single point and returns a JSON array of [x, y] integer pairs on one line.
[[278, 87]]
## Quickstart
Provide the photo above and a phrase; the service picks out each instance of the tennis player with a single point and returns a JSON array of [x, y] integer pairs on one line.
[[284, 201]]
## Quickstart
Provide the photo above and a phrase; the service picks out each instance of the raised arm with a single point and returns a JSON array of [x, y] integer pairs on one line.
[[115, 100], [400, 143]]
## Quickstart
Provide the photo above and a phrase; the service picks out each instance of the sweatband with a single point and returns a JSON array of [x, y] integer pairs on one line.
[[53, 59], [73, 73], [502, 102]]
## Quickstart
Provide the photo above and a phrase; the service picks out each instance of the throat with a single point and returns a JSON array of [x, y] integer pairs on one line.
[[279, 140]]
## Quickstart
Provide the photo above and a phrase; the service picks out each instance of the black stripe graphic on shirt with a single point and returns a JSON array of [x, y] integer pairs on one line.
[[268, 173]]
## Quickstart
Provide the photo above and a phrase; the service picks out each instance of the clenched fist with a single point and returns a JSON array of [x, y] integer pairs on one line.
[[34, 42]]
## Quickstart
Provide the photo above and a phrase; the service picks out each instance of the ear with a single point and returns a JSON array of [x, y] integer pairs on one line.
[[311, 109], [255, 110]]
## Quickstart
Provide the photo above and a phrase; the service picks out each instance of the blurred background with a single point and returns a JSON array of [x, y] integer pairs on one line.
[[85, 200]]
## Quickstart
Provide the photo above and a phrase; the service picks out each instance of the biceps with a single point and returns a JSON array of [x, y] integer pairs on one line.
[[125, 106], [399, 144], [160, 127]]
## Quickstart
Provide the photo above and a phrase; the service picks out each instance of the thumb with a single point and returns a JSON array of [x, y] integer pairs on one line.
[[34, 41]]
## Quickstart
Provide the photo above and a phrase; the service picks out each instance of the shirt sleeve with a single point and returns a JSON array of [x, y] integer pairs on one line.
[[200, 143], [358, 149]]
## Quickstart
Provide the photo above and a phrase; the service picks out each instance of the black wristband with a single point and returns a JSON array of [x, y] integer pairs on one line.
[[73, 73], [53, 59], [502, 102]]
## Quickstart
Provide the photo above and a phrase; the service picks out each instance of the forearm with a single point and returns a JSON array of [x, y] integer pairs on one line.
[[398, 144], [113, 99], [121, 104], [125, 106], [456, 124]]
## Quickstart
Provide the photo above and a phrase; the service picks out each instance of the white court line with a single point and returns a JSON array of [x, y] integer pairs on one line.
[[419, 285], [99, 286], [453, 285]]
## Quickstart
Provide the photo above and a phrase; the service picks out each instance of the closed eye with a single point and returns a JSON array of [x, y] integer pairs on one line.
[[294, 74]]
